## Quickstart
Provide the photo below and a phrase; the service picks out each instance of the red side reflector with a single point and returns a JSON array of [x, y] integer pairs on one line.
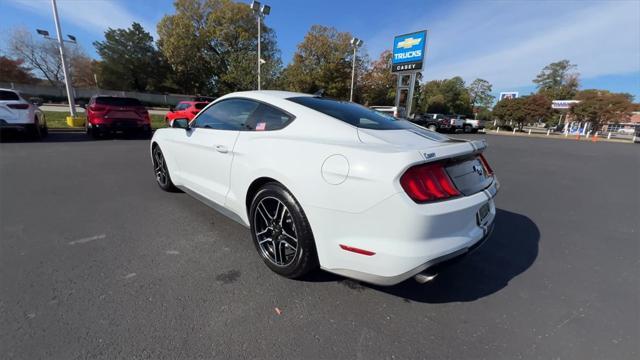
[[356, 250], [18, 106]]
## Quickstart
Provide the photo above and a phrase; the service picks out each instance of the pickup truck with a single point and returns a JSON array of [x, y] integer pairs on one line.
[[433, 122], [473, 126], [456, 122]]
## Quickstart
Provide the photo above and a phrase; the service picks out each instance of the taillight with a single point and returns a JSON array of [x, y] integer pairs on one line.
[[488, 170], [428, 182], [18, 106]]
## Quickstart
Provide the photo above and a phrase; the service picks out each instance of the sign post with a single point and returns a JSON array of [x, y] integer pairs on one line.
[[407, 61]]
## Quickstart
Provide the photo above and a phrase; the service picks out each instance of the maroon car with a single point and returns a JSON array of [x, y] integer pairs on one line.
[[108, 114]]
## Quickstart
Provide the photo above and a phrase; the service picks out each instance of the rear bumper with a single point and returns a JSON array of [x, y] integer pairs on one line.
[[407, 238], [5, 125], [121, 125]]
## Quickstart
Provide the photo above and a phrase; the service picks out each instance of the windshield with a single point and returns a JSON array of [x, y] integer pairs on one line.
[[8, 95], [118, 101], [351, 113]]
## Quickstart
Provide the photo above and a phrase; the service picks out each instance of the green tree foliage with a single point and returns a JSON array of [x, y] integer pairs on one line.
[[378, 84], [601, 106], [323, 60], [211, 46], [15, 71], [130, 61], [558, 80], [448, 96], [480, 94], [528, 109]]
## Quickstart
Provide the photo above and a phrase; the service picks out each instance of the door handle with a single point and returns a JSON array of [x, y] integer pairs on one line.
[[221, 149]]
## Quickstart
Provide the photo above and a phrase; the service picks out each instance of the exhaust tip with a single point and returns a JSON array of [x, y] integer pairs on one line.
[[424, 277]]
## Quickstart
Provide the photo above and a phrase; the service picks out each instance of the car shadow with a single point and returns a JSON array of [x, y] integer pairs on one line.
[[510, 251]]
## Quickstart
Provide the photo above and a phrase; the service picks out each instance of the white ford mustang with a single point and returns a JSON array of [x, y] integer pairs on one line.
[[329, 183]]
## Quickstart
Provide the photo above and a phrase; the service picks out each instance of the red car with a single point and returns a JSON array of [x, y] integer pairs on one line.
[[107, 114], [185, 110]]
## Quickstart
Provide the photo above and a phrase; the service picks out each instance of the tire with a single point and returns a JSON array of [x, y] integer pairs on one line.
[[163, 178], [45, 130], [432, 128], [92, 132], [275, 214], [36, 131]]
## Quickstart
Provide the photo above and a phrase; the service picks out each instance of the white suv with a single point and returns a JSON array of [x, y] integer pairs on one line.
[[19, 114]]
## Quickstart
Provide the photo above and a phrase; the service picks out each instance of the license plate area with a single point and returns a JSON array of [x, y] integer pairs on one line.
[[483, 214]]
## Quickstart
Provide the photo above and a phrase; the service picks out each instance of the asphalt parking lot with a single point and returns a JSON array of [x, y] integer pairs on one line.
[[97, 262]]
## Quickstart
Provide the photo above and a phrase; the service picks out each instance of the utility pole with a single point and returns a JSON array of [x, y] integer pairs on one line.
[[65, 68], [355, 43], [260, 13]]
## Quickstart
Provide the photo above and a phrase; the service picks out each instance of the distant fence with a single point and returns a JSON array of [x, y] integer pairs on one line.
[[59, 93]]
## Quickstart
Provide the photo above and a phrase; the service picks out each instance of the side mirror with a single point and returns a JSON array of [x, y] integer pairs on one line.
[[180, 124], [172, 109], [83, 105]]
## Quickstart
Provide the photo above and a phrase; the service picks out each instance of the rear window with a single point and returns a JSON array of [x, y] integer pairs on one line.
[[118, 101], [8, 95], [201, 106], [351, 113]]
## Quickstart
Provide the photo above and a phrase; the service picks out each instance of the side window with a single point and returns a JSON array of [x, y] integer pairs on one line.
[[182, 106], [267, 118], [231, 114]]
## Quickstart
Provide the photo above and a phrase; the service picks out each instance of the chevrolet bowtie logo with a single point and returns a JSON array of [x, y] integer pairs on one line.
[[408, 43]]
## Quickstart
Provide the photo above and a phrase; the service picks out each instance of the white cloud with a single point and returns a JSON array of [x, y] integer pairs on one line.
[[95, 16], [508, 43]]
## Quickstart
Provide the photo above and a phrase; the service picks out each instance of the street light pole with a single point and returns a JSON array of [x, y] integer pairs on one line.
[[355, 43], [65, 69], [260, 13], [259, 58]]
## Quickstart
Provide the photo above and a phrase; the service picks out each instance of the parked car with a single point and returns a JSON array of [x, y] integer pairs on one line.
[[395, 111], [107, 114], [473, 125], [16, 113], [332, 184], [457, 122], [434, 122], [185, 110]]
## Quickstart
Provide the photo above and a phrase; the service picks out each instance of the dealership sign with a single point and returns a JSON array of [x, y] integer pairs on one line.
[[563, 104], [509, 95], [408, 51]]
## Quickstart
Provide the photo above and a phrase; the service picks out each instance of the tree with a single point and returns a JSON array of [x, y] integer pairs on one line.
[[528, 109], [480, 94], [323, 60], [130, 61], [378, 83], [14, 71], [448, 96], [84, 70], [558, 80], [43, 56], [601, 107], [211, 47]]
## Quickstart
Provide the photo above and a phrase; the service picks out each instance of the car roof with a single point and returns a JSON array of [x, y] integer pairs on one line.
[[274, 94]]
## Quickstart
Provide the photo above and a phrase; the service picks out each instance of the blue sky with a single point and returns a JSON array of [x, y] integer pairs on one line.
[[505, 42]]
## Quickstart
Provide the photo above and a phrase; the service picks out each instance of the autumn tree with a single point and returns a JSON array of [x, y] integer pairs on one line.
[[378, 84], [42, 55], [558, 80], [323, 60], [211, 47], [528, 109], [601, 107], [448, 96], [15, 71], [480, 94]]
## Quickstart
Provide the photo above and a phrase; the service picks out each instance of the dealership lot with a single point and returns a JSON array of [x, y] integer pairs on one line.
[[97, 262]]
